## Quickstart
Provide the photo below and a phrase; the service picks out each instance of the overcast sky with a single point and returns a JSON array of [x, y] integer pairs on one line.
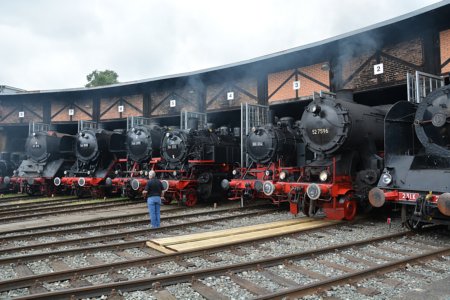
[[54, 44]]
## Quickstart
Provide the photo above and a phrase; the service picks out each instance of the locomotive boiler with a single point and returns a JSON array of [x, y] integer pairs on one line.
[[194, 161], [417, 154], [95, 163], [48, 154], [142, 144], [276, 153], [346, 139]]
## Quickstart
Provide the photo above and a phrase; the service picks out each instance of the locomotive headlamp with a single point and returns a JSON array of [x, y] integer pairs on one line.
[[235, 172], [323, 176], [174, 173], [141, 172], [146, 173], [116, 172], [65, 172], [89, 172], [283, 175], [253, 129], [386, 178], [34, 133], [268, 172], [268, 188]]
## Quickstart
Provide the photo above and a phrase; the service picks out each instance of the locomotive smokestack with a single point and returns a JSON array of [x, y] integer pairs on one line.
[[345, 95], [192, 123]]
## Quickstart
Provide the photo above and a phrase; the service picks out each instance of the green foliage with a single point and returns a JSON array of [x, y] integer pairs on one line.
[[99, 78]]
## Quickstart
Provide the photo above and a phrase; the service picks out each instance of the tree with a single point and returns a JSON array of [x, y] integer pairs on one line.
[[99, 78]]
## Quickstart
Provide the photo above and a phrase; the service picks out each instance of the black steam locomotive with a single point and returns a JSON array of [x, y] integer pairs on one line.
[[194, 161], [347, 139], [276, 153], [9, 162], [48, 154], [417, 161], [143, 143], [95, 164]]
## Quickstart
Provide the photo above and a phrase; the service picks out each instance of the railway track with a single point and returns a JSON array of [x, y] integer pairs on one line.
[[79, 206], [127, 239], [292, 274]]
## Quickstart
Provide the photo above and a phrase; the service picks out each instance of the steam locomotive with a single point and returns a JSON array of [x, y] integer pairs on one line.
[[194, 161], [9, 162], [95, 164], [143, 143], [417, 154], [276, 153], [48, 154]]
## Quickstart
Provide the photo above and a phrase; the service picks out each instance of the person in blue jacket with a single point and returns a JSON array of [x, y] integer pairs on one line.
[[153, 190]]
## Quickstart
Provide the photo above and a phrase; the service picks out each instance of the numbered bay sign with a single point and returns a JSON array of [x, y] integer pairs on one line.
[[173, 103], [120, 108], [296, 85], [378, 69], [71, 111], [230, 96], [21, 114]]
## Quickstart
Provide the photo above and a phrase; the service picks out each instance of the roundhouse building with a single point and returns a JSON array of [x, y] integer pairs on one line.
[[372, 61]]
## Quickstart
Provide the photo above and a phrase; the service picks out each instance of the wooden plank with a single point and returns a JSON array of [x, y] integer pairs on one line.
[[164, 295], [226, 232], [159, 248], [207, 292], [22, 270], [249, 286], [59, 265], [245, 237], [404, 253], [367, 291]]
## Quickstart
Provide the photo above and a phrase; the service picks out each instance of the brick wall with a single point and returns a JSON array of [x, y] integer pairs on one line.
[[133, 106], [9, 111], [281, 84], [397, 60], [186, 98], [60, 110], [244, 91], [444, 39]]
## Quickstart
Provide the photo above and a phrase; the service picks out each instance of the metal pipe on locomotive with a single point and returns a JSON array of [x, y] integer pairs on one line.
[[417, 153], [143, 143], [49, 153], [95, 164], [194, 161], [276, 153]]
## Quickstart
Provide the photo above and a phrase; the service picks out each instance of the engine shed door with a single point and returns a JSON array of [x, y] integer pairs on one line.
[[421, 84], [186, 115], [252, 115]]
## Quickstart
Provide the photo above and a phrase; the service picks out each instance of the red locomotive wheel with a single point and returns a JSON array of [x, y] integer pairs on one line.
[[350, 207], [191, 197]]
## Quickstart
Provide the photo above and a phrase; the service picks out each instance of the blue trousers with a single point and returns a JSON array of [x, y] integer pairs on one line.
[[154, 205]]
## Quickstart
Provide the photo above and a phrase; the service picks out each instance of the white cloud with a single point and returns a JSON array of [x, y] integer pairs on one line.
[[51, 44]]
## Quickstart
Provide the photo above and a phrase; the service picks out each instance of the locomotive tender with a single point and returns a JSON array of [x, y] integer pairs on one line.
[[95, 163], [48, 154], [417, 161], [276, 153], [193, 162]]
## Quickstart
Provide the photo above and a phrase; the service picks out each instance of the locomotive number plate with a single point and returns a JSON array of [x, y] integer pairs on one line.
[[257, 144], [84, 145], [319, 131], [408, 196], [135, 143], [36, 146]]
